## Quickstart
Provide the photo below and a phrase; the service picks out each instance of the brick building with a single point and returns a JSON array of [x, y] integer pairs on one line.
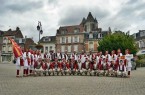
[[84, 36], [7, 53]]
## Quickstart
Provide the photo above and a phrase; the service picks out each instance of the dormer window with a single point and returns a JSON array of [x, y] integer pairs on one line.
[[99, 35], [91, 35], [63, 32], [49, 39], [76, 30]]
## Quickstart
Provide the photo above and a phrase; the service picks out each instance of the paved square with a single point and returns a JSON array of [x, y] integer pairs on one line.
[[70, 85]]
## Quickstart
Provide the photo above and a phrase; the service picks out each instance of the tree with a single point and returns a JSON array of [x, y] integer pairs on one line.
[[118, 40]]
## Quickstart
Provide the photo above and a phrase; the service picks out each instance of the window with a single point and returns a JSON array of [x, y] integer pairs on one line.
[[50, 48], [76, 48], [63, 32], [76, 30], [91, 46], [99, 35], [69, 39], [49, 39], [60, 40], [4, 48], [69, 48], [91, 35], [9, 48], [76, 39], [46, 49], [63, 40], [20, 40], [62, 48]]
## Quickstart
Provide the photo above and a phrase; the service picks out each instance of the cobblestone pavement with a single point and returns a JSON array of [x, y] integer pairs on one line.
[[70, 85]]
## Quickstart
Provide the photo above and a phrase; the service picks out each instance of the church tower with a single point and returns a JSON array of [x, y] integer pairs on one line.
[[90, 23]]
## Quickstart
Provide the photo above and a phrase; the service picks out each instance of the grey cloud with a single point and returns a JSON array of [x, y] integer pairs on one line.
[[75, 15], [127, 15], [52, 1], [19, 6]]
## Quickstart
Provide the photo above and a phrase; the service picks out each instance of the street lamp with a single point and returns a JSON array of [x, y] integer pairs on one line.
[[39, 28]]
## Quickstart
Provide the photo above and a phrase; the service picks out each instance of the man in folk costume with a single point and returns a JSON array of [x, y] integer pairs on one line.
[[48, 63], [91, 56], [100, 62], [19, 64], [38, 67], [113, 56], [79, 67], [32, 63], [88, 63], [119, 54], [52, 68], [57, 66], [59, 56], [26, 62], [121, 71], [113, 68], [107, 57], [65, 56], [128, 62], [83, 57], [64, 66], [52, 56], [44, 67], [93, 68], [105, 66], [45, 55], [74, 56], [39, 54], [73, 66]]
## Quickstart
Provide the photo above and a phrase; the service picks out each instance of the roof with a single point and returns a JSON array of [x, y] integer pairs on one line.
[[90, 17], [17, 33], [29, 40], [70, 29], [47, 39]]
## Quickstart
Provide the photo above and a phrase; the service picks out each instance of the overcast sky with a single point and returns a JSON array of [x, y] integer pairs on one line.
[[125, 15]]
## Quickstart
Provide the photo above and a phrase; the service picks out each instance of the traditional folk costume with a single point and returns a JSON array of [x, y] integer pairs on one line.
[[19, 64], [44, 68], [128, 65], [113, 68], [74, 57], [65, 56], [64, 67], [48, 64], [56, 67], [79, 67], [59, 56], [27, 61], [32, 63], [121, 69], [73, 67]]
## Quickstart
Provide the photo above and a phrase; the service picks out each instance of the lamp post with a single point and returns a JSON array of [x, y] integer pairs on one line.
[[39, 28]]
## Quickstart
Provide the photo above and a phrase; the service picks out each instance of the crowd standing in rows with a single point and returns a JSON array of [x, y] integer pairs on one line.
[[34, 63]]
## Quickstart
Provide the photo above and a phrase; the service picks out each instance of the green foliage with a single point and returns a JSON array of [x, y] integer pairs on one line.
[[140, 61], [117, 40]]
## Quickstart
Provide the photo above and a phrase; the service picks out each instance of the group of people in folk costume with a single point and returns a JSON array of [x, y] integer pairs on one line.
[[37, 64]]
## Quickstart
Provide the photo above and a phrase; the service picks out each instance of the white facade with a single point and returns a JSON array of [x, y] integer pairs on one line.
[[48, 47]]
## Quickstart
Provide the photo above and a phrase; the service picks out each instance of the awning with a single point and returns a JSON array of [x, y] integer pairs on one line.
[[140, 52]]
